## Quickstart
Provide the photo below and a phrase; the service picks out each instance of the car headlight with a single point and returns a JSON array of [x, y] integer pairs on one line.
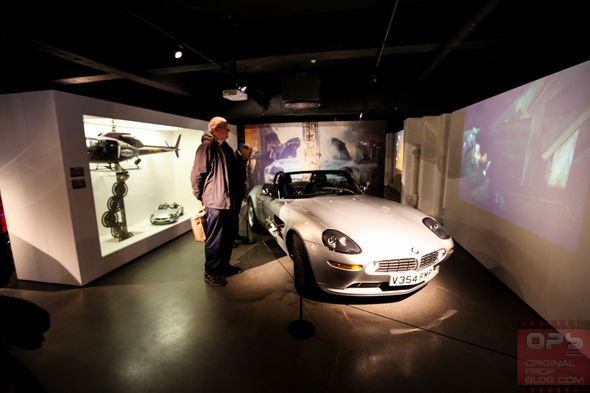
[[435, 227], [170, 215], [339, 242]]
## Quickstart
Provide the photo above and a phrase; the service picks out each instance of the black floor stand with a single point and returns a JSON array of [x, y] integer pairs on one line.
[[301, 328]]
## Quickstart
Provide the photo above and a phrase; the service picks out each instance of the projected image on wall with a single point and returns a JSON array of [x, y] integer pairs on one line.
[[357, 147], [526, 155]]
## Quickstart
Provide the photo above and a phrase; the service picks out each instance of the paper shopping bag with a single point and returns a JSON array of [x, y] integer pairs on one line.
[[199, 224]]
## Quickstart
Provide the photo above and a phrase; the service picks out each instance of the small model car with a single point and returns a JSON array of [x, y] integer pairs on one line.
[[167, 213], [345, 242]]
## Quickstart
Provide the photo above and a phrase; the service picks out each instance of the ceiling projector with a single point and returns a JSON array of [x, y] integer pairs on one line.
[[235, 95]]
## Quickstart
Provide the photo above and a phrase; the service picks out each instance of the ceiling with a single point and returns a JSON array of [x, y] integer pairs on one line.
[[385, 59]]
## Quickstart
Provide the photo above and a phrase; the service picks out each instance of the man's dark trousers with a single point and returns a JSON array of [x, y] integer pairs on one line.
[[220, 239]]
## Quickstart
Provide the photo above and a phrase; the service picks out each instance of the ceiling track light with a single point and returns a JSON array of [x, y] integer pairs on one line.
[[178, 51]]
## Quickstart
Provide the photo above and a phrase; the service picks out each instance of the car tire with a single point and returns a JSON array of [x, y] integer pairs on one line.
[[304, 280], [252, 220], [120, 189], [109, 219]]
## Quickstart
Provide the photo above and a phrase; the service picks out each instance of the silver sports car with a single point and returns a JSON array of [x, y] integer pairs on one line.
[[167, 213], [345, 242]]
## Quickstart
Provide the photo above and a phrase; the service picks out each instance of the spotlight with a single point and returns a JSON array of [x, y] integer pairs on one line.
[[243, 89], [178, 52]]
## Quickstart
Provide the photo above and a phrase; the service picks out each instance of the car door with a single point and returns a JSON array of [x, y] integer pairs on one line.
[[271, 206]]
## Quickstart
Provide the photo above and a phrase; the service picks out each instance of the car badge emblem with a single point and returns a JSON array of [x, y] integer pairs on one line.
[[415, 250]]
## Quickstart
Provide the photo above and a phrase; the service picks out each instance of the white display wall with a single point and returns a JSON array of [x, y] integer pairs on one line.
[[53, 201], [425, 164]]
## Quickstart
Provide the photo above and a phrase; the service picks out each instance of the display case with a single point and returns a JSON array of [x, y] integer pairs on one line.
[[55, 199], [129, 187]]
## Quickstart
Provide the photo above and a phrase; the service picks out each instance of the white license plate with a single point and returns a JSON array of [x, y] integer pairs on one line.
[[410, 278]]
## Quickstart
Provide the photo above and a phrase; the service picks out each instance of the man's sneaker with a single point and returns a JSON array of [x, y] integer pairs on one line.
[[215, 279]]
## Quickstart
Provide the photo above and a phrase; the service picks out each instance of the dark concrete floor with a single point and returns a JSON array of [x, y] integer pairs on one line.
[[155, 326]]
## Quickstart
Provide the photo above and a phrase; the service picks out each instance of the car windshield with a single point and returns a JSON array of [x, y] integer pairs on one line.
[[306, 184]]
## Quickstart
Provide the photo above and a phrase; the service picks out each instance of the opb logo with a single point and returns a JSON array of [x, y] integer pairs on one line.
[[538, 340], [552, 355]]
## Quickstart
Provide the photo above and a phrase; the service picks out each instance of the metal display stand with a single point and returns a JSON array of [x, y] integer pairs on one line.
[[301, 328]]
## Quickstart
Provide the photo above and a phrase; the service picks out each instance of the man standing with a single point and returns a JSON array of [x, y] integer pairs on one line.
[[215, 182], [243, 154]]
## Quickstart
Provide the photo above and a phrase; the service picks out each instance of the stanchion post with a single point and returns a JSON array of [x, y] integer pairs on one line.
[[301, 328]]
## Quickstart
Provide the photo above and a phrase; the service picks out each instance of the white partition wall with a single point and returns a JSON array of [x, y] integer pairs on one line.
[[48, 188], [425, 164]]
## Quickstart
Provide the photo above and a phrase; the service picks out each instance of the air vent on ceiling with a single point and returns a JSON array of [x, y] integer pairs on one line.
[[301, 91]]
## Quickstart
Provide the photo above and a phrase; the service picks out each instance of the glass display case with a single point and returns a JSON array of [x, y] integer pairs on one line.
[[57, 200], [135, 168]]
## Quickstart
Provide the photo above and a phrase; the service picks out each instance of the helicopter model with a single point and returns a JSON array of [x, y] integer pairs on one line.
[[113, 148]]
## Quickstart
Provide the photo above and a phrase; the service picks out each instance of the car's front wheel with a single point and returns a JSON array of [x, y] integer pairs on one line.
[[252, 220], [304, 280]]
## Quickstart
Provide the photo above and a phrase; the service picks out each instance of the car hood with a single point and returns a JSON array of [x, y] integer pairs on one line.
[[368, 220]]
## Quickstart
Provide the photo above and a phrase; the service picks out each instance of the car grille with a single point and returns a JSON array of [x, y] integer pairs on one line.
[[384, 286], [397, 265], [429, 259]]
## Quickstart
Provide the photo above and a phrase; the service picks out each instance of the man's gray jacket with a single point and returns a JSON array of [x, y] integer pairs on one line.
[[209, 176]]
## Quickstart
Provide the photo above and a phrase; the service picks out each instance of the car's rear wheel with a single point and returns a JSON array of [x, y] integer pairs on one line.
[[304, 280], [252, 220]]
